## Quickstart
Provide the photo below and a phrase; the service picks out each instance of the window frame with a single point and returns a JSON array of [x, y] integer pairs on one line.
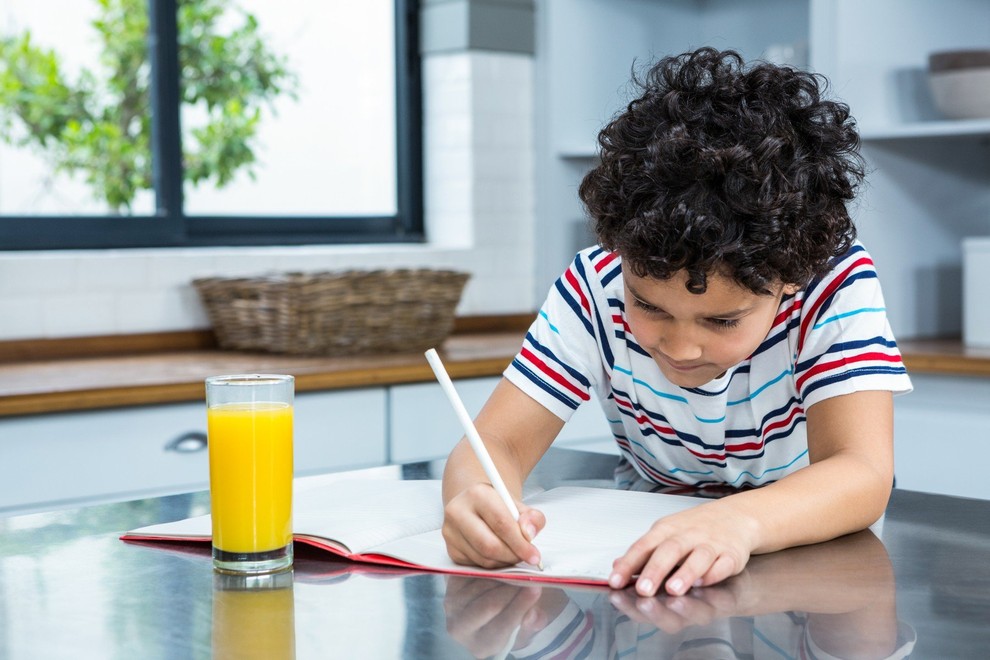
[[169, 226]]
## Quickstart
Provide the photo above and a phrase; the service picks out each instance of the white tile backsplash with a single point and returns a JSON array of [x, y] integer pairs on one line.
[[37, 273], [479, 199], [113, 271], [76, 314], [21, 317]]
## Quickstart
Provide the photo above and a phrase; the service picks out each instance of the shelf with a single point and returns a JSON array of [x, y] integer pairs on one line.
[[947, 357], [943, 128], [927, 129], [578, 153]]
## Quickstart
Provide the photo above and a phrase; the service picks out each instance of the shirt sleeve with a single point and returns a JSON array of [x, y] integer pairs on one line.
[[845, 343], [559, 362]]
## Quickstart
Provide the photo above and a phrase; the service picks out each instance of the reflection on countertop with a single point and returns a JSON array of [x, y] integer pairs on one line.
[[833, 599]]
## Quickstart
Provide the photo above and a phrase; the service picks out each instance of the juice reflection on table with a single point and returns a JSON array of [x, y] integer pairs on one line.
[[250, 448], [253, 617]]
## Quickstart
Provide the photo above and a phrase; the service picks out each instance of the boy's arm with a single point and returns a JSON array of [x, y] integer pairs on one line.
[[844, 489], [478, 528]]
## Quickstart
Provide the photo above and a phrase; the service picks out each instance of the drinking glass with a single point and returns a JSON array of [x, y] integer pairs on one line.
[[249, 428]]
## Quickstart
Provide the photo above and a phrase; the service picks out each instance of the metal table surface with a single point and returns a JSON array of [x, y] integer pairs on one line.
[[69, 588]]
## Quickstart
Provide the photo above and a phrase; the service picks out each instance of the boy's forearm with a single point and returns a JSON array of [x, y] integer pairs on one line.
[[833, 497]]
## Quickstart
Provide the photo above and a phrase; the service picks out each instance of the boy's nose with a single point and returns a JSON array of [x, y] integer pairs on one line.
[[680, 347]]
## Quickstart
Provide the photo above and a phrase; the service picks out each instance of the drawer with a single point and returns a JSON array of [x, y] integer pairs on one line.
[[71, 459]]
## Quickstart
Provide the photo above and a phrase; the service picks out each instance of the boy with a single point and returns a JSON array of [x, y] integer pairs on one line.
[[731, 326]]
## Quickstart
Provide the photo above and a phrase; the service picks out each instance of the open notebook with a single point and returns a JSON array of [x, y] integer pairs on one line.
[[398, 523]]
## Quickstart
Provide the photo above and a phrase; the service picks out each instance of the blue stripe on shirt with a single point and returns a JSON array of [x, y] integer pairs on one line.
[[846, 375]]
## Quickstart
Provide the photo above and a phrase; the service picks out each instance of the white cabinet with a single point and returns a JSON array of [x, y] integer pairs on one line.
[[71, 458], [423, 425], [340, 430], [53, 460], [942, 431]]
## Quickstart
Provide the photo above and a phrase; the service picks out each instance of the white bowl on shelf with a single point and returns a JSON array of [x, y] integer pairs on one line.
[[962, 93], [960, 82]]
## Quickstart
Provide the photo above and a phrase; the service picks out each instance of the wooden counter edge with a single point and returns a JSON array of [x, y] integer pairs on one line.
[[941, 357], [942, 364], [115, 397]]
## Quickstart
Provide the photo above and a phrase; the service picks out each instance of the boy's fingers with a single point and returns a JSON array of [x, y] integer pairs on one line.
[[531, 521], [696, 564], [723, 568]]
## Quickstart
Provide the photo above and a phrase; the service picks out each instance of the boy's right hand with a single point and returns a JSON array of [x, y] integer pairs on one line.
[[479, 530]]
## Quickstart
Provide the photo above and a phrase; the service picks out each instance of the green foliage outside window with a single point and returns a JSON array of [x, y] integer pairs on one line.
[[99, 125]]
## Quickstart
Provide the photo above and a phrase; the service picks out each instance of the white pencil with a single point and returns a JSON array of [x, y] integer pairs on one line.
[[474, 438]]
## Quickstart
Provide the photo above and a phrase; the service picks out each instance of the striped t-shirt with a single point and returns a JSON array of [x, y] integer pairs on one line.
[[745, 428]]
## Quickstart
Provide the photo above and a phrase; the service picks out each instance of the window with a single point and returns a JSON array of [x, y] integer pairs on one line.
[[208, 122]]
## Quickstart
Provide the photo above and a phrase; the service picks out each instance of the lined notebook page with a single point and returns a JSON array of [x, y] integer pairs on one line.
[[357, 514], [364, 514], [587, 528]]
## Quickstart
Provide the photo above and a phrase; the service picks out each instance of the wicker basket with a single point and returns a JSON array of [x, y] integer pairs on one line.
[[334, 313]]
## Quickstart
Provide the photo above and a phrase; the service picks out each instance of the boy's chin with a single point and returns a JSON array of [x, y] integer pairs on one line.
[[694, 378]]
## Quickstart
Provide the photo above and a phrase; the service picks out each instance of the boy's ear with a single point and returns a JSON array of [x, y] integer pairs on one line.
[[791, 289]]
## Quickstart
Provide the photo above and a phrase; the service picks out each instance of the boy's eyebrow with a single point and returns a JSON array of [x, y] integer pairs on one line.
[[730, 314]]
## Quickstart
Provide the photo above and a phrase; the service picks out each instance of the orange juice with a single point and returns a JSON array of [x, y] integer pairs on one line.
[[251, 476]]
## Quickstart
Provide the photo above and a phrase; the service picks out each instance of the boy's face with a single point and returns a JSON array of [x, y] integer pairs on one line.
[[695, 338]]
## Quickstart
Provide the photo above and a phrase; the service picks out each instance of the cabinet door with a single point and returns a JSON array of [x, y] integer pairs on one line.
[[422, 422], [48, 461], [339, 430], [941, 430], [424, 427]]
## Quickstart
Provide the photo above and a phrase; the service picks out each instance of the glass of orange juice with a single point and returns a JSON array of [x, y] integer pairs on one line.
[[249, 428]]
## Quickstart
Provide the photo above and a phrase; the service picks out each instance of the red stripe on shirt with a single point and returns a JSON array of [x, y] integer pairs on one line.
[[843, 361], [758, 444], [605, 261], [556, 377], [809, 317], [573, 281]]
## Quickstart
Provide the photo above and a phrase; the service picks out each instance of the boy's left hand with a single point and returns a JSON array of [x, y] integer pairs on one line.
[[698, 547]]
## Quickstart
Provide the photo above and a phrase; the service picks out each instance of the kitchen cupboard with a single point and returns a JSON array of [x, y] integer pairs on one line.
[[48, 461], [71, 459], [941, 435], [423, 426]]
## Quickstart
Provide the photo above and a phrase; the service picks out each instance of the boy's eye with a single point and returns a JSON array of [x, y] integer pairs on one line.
[[724, 324], [646, 307]]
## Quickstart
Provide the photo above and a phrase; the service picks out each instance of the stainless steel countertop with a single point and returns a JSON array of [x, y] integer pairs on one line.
[[69, 588]]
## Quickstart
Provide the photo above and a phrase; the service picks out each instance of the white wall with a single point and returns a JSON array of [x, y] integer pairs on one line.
[[479, 197]]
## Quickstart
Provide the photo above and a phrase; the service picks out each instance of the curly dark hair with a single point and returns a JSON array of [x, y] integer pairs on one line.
[[723, 168]]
